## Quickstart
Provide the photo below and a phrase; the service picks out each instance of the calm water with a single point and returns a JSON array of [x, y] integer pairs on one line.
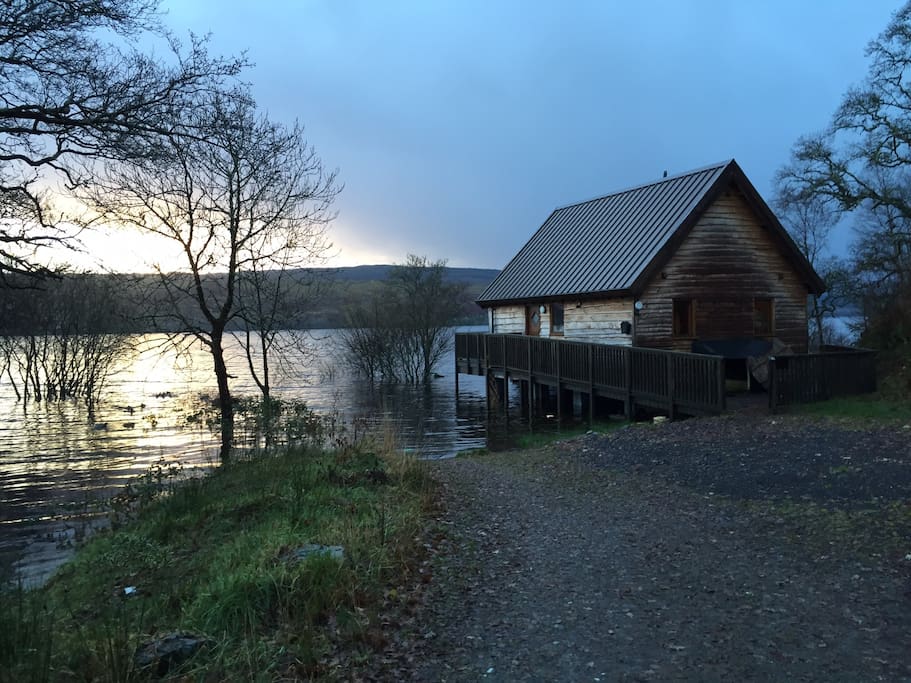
[[56, 463]]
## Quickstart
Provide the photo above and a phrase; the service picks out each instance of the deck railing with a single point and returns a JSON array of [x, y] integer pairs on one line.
[[835, 371], [667, 380]]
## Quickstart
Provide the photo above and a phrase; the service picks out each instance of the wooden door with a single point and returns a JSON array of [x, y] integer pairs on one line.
[[532, 321]]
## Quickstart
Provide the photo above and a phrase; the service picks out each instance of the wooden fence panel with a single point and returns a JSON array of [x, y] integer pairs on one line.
[[609, 365], [574, 361], [516, 353], [696, 380], [820, 376], [650, 376]]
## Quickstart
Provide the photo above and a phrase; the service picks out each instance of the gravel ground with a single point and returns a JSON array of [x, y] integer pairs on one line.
[[734, 548]]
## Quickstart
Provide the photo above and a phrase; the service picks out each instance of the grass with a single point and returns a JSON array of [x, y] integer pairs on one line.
[[214, 557], [892, 401], [537, 439], [865, 407]]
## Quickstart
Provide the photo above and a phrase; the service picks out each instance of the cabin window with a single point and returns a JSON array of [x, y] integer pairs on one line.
[[684, 318], [763, 317], [556, 320]]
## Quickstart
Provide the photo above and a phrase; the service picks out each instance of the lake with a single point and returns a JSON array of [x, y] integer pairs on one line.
[[56, 463]]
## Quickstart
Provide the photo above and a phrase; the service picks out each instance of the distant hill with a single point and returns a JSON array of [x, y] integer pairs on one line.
[[326, 295], [342, 287], [468, 276]]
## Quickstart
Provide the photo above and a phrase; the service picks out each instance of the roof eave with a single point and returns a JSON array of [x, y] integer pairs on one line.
[[543, 299], [732, 173]]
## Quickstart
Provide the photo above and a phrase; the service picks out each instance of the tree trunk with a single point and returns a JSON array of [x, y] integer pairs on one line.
[[225, 405], [818, 318]]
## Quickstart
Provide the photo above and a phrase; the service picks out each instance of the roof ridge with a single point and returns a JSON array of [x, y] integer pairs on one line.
[[642, 186]]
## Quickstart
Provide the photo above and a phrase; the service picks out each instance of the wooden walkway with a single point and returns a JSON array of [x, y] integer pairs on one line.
[[669, 381]]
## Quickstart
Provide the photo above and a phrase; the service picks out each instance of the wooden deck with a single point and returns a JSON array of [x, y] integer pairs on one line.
[[669, 381]]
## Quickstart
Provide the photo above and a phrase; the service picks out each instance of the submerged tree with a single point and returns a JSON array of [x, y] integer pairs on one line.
[[272, 303], [427, 306], [69, 94], [62, 341], [236, 193], [405, 330]]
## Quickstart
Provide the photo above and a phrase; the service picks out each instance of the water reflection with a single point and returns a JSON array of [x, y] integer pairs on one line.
[[56, 460]]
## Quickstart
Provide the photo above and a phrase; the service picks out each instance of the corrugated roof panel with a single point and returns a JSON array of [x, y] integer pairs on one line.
[[603, 244]]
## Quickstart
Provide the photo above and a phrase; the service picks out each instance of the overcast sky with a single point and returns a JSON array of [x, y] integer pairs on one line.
[[458, 126]]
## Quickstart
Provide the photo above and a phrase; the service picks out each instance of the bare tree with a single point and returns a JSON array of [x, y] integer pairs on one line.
[[882, 273], [403, 333], [882, 250], [70, 93], [862, 161], [427, 307], [234, 200], [810, 221], [870, 132], [271, 306], [63, 340]]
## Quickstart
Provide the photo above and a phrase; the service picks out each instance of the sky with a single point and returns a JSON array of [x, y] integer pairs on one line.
[[457, 127]]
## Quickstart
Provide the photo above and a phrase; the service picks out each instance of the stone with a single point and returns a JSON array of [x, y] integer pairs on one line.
[[336, 552], [163, 655]]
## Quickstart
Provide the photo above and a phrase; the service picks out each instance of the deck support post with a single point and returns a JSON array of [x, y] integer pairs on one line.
[[559, 391], [506, 394], [591, 386], [628, 407]]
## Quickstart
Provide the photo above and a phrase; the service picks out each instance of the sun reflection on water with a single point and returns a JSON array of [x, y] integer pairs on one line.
[[56, 460]]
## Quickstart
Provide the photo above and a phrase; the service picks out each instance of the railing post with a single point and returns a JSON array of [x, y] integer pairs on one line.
[[559, 354], [591, 385], [670, 386], [628, 406], [531, 385], [485, 344], [456, 354]]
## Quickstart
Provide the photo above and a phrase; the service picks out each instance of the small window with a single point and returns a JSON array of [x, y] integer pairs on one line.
[[556, 320], [684, 318], [763, 317]]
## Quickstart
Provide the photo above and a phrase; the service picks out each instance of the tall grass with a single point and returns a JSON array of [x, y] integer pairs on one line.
[[216, 557]]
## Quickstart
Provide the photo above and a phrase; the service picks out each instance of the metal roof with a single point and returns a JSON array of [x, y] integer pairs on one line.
[[605, 245]]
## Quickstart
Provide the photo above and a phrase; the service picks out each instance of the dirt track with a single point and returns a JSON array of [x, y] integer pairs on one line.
[[737, 548]]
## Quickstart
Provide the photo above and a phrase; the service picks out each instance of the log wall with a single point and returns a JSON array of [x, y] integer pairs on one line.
[[726, 261], [508, 320]]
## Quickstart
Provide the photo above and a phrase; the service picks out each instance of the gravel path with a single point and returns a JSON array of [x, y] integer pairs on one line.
[[736, 548]]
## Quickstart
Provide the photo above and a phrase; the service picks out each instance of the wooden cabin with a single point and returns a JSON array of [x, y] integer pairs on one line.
[[696, 261]]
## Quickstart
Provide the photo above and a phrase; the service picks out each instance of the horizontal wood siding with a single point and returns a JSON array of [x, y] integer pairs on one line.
[[509, 320], [598, 321], [726, 261], [590, 321]]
